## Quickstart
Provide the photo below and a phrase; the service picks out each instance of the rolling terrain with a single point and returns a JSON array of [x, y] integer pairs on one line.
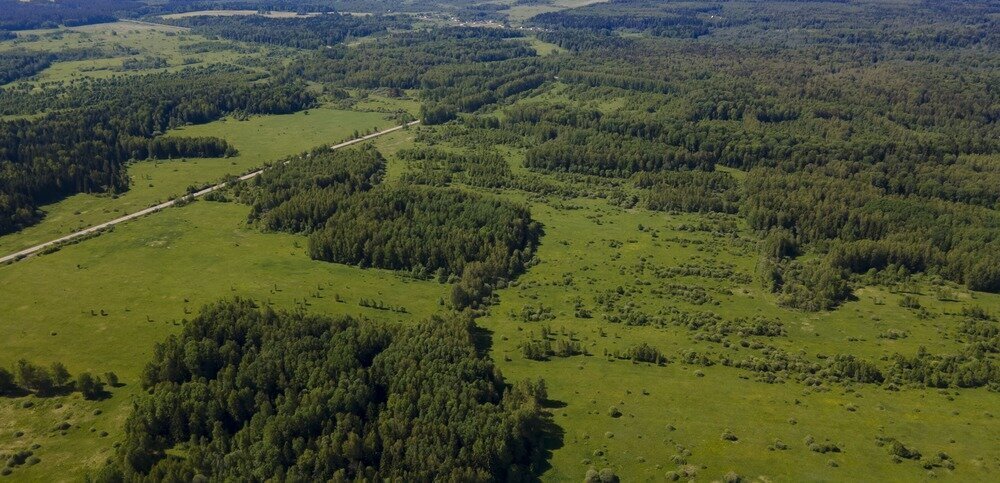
[[633, 240]]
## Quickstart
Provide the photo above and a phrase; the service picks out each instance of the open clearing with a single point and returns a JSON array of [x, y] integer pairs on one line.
[[153, 209], [700, 409], [259, 139]]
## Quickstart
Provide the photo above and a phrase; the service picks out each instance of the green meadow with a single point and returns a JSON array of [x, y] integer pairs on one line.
[[668, 411], [259, 139], [101, 304]]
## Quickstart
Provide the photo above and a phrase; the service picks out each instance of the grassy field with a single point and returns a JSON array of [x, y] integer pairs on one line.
[[259, 139], [173, 44], [149, 275], [102, 304], [544, 48], [599, 247], [520, 13]]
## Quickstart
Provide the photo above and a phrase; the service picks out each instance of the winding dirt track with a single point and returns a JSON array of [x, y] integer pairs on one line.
[[27, 252]]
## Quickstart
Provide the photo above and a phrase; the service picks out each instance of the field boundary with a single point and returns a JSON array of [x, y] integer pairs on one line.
[[96, 229]]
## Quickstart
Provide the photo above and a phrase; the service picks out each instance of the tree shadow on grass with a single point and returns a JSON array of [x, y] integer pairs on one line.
[[553, 404], [482, 340], [552, 438], [14, 393], [98, 396]]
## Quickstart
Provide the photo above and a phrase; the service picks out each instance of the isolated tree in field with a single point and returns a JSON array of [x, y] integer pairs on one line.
[[91, 387], [111, 378]]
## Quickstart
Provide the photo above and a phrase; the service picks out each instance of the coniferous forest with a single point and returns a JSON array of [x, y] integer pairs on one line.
[[482, 240], [358, 400]]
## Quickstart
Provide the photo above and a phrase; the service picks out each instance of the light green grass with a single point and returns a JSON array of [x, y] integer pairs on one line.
[[259, 139], [149, 40], [543, 48], [379, 103], [701, 408], [148, 276], [520, 13]]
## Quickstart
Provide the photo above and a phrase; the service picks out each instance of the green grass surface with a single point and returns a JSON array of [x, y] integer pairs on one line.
[[101, 305], [520, 13], [259, 139], [702, 408], [544, 48], [147, 40], [147, 277]]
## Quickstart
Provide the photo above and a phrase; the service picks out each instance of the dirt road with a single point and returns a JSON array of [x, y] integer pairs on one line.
[[13, 257]]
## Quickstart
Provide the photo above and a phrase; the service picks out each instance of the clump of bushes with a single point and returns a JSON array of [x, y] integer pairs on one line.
[[643, 353], [28, 377], [606, 475], [897, 449], [732, 477], [822, 448]]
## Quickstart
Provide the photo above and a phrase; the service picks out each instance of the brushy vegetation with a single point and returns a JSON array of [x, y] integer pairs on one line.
[[778, 209]]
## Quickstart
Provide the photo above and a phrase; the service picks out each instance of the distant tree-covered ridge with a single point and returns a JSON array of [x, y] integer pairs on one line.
[[247, 393], [457, 69], [33, 14], [301, 32], [336, 197]]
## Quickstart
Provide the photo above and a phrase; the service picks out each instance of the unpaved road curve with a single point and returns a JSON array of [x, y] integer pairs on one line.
[[13, 257]]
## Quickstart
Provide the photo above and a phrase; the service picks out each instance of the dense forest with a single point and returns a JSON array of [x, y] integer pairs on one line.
[[304, 33], [868, 163], [15, 65], [336, 197], [86, 145], [23, 15], [247, 392], [402, 59], [35, 14]]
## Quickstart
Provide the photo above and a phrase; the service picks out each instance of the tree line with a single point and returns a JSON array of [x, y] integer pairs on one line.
[[29, 378], [20, 15], [19, 63]]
